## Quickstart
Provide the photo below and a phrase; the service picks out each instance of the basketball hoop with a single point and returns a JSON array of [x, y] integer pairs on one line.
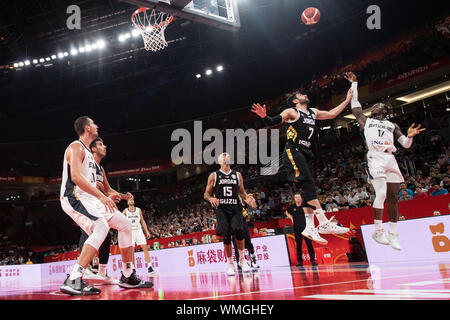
[[152, 23]]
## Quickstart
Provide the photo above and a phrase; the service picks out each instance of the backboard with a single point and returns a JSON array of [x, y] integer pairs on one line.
[[222, 14]]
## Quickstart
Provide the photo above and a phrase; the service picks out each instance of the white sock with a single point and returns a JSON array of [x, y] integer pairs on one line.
[[321, 216], [230, 261], [127, 268], [102, 269], [241, 255], [378, 224], [393, 227], [309, 217], [77, 272]]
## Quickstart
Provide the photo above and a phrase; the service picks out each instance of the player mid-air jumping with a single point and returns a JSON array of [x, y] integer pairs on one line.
[[383, 171], [298, 158]]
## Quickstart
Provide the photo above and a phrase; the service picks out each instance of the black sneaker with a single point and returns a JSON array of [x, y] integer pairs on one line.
[[133, 281], [78, 287], [151, 271], [254, 263], [313, 263]]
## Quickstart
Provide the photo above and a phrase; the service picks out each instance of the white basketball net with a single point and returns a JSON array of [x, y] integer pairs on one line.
[[151, 24]]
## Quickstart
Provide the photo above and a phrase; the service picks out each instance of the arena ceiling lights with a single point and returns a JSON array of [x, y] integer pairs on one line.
[[209, 71], [425, 93], [98, 45]]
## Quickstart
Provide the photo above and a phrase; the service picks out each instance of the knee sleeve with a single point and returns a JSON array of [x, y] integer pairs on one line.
[[99, 233], [226, 239], [309, 191], [380, 187], [103, 252], [83, 239], [239, 235], [123, 227]]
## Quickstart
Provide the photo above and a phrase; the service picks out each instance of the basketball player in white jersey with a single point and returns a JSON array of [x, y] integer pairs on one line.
[[93, 211], [383, 171], [134, 214], [298, 156], [98, 149]]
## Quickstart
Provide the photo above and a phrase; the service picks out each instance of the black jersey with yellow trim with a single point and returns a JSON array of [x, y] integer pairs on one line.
[[302, 130]]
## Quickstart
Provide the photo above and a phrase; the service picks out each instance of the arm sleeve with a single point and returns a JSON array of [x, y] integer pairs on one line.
[[406, 142], [273, 120], [355, 103]]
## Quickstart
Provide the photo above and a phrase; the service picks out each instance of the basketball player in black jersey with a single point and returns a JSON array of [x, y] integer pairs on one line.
[[98, 149], [222, 191], [298, 158]]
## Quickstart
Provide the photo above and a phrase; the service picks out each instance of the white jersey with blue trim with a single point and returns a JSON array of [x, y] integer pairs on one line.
[[379, 135], [88, 171], [134, 217]]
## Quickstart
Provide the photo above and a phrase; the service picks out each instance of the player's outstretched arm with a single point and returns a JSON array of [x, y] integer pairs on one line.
[[356, 106], [209, 189], [406, 142], [333, 113], [286, 115]]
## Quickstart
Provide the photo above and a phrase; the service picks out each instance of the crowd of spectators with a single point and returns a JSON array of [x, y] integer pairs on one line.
[[13, 254]]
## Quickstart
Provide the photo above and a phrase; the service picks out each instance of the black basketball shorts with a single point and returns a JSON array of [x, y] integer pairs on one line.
[[229, 220]]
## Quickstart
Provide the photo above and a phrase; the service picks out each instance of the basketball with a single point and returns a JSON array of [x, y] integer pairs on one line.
[[311, 16]]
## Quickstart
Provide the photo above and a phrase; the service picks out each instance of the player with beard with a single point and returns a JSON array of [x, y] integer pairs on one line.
[[383, 171], [298, 158], [98, 149]]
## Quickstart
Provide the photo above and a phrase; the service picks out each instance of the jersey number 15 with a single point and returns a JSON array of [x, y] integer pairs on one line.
[[227, 191]]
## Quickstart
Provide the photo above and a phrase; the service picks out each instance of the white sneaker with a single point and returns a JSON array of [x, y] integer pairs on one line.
[[244, 266], [380, 237], [108, 280], [332, 228], [230, 270], [89, 275], [393, 241], [312, 234]]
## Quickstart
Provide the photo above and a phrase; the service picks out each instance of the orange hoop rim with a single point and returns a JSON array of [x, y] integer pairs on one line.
[[142, 9]]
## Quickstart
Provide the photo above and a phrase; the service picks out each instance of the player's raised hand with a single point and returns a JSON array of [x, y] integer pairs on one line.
[[260, 111], [109, 204], [415, 131], [250, 201], [350, 76]]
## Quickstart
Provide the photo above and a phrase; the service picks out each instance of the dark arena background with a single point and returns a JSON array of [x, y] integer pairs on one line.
[[63, 59]]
